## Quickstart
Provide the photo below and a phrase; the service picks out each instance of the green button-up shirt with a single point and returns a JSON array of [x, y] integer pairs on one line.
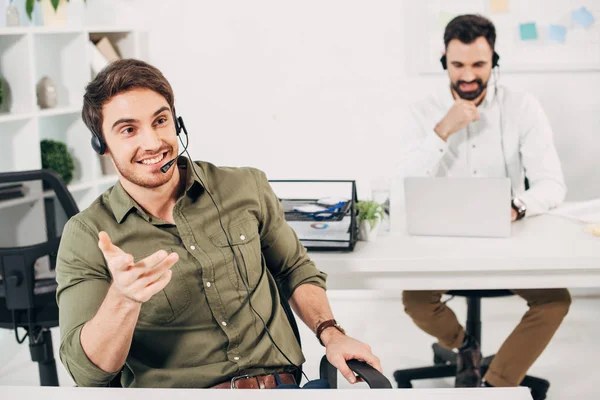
[[199, 330]]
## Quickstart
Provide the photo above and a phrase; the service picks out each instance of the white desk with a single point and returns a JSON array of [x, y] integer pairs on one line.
[[543, 252], [68, 393]]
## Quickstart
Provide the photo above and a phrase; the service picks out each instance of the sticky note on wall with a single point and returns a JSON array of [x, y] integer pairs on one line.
[[557, 33], [528, 31], [499, 6], [583, 17]]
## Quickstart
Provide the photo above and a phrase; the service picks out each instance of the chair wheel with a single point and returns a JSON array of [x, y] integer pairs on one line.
[[405, 385], [537, 395]]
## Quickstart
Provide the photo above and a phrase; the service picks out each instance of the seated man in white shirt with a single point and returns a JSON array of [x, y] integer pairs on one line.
[[473, 128]]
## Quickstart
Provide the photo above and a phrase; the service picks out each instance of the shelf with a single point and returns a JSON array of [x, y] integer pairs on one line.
[[73, 188], [19, 201], [42, 30], [107, 29], [11, 117], [107, 179], [59, 111], [80, 186], [17, 30]]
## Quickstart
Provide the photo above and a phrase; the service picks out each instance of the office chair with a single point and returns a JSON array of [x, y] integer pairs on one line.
[[327, 371], [24, 301], [444, 360]]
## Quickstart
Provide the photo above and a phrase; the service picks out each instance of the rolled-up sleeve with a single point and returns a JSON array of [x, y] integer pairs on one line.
[[285, 256], [540, 161], [83, 282]]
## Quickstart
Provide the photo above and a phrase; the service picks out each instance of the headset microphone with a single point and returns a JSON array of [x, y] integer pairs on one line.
[[179, 125]]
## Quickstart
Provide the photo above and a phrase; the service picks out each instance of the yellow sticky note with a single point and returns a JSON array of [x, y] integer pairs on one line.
[[499, 6]]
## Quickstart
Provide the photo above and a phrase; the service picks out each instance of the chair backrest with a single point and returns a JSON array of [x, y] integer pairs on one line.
[[18, 287]]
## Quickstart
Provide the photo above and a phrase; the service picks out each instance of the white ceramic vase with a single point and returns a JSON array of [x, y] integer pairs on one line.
[[367, 233], [52, 17]]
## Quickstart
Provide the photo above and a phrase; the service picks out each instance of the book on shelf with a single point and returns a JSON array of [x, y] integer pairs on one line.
[[11, 191], [102, 53]]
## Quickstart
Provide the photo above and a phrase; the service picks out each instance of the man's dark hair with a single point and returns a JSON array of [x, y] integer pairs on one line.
[[467, 28], [118, 77]]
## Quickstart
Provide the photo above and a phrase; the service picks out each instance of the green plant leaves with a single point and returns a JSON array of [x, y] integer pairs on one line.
[[370, 211], [55, 156]]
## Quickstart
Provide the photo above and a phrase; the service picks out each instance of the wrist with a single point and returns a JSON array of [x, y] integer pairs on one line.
[[330, 334], [324, 330], [519, 207], [441, 131]]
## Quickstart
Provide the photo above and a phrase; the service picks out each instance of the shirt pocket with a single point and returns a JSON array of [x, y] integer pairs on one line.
[[169, 303], [245, 242]]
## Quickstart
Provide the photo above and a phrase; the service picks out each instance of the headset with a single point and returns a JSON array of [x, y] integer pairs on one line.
[[495, 59], [496, 72], [99, 147]]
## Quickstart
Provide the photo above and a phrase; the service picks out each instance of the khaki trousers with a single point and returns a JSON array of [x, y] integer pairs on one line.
[[547, 308]]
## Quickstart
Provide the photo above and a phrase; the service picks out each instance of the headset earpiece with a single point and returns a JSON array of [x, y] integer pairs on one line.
[[98, 144], [495, 59]]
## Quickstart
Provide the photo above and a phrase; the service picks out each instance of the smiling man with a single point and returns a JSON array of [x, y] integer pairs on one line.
[[174, 275], [472, 128]]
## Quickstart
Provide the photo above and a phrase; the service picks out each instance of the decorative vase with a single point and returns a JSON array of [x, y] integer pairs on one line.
[[46, 93], [53, 17], [367, 233], [12, 15]]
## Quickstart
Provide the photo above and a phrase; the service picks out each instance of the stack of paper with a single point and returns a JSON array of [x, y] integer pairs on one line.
[[586, 211]]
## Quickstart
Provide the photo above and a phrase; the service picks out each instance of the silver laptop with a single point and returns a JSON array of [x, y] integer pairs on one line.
[[477, 207]]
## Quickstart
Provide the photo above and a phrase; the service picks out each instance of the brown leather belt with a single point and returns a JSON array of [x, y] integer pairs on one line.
[[256, 382]]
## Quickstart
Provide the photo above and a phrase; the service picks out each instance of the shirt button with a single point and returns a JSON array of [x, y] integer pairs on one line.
[[193, 247], [475, 172], [441, 150], [207, 284], [474, 146], [236, 358], [242, 237], [224, 323]]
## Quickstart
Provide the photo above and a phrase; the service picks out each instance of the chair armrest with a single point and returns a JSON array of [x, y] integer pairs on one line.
[[370, 375]]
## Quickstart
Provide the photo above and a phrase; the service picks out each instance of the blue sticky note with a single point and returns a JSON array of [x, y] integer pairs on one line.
[[557, 33], [528, 31], [583, 17]]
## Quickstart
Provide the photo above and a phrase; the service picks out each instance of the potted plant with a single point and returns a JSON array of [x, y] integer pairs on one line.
[[370, 215], [55, 156], [54, 12]]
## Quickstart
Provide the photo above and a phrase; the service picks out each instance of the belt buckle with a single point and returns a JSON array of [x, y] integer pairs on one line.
[[237, 378]]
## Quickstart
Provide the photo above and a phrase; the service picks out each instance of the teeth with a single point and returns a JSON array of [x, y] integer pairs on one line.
[[151, 161]]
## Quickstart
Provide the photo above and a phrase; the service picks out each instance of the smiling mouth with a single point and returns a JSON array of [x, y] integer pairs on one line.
[[153, 161]]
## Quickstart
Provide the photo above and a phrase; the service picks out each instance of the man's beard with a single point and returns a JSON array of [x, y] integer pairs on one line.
[[147, 181], [471, 94]]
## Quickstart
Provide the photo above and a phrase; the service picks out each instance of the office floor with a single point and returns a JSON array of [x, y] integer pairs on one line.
[[569, 362]]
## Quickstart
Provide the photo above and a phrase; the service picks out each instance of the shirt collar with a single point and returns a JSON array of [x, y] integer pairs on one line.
[[121, 202]]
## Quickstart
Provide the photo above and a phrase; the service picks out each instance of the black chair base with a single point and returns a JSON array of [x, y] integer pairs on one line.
[[444, 360]]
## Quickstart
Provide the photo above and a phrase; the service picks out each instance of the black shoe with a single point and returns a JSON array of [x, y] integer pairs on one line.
[[468, 366]]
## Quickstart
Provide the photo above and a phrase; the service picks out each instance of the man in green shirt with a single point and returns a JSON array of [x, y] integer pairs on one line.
[[148, 282]]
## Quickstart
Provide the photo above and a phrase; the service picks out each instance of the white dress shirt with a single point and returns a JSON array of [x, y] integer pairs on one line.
[[510, 119]]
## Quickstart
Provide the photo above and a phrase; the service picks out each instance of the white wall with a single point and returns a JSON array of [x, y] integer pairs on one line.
[[314, 89]]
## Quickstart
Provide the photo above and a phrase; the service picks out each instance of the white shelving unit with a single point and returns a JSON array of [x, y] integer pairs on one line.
[[26, 55]]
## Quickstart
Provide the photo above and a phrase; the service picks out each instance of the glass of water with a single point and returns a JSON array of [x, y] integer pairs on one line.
[[380, 192]]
